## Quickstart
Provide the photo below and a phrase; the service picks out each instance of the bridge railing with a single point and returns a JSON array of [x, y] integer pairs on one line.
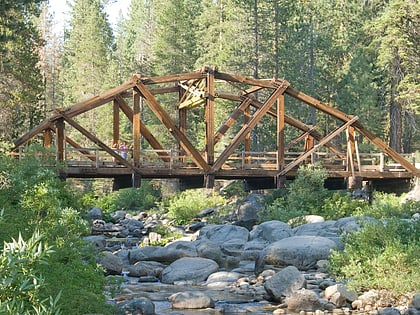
[[245, 160]]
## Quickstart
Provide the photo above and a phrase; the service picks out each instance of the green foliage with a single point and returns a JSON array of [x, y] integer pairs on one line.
[[305, 195], [20, 280], [341, 204], [382, 255], [388, 206], [185, 206], [35, 199], [135, 199]]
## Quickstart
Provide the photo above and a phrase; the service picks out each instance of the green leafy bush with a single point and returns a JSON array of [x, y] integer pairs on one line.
[[305, 195], [34, 199], [20, 280], [143, 198], [185, 206], [382, 255], [341, 204]]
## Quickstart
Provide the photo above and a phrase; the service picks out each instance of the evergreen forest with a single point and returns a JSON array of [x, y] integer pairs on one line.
[[358, 56]]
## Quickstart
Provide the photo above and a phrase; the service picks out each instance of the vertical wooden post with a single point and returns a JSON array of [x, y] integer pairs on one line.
[[59, 125], [182, 117], [116, 123], [209, 178], [47, 138], [247, 144], [136, 129], [281, 181], [210, 117]]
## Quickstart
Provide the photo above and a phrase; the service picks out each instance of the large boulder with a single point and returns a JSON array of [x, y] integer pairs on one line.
[[303, 252], [138, 306], [325, 229], [191, 300], [219, 233], [339, 295], [247, 215], [146, 268], [284, 283], [166, 254], [271, 231], [112, 264], [210, 250], [189, 269], [304, 300]]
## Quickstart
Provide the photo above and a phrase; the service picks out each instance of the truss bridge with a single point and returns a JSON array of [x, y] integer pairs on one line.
[[150, 127]]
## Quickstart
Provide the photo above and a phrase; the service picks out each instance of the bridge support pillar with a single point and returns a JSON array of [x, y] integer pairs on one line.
[[281, 182], [136, 179], [209, 180]]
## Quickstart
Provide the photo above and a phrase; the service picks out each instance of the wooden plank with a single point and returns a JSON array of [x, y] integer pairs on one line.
[[60, 132], [209, 118], [99, 143], [323, 141], [280, 133], [45, 125], [166, 120], [116, 123], [47, 138], [145, 132], [249, 126], [169, 78], [136, 128], [244, 80]]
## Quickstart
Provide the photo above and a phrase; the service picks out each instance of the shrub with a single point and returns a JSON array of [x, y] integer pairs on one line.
[[20, 280], [382, 255], [340, 204], [34, 199], [305, 195], [185, 206]]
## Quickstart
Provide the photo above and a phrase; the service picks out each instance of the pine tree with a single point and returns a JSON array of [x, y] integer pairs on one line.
[[20, 79], [87, 56]]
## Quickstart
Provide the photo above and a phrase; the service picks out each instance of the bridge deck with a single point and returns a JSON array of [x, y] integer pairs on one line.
[[97, 163]]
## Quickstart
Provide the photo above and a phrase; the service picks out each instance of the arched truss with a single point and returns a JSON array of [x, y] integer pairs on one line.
[[203, 90]]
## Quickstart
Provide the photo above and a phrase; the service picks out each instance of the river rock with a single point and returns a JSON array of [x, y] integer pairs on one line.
[[190, 269], [415, 301], [247, 214], [284, 283], [271, 231], [219, 233], [145, 268], [95, 213], [142, 253], [138, 306], [304, 300], [222, 279], [98, 242], [389, 311], [338, 294], [325, 229], [210, 250], [112, 264], [303, 252], [191, 300]]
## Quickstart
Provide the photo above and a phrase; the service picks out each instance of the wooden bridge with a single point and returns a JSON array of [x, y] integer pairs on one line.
[[227, 152]]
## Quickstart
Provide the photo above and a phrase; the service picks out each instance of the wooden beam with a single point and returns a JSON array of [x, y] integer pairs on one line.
[[60, 132], [116, 123], [145, 132], [47, 138], [136, 128], [231, 119], [45, 125], [323, 141], [209, 117], [99, 143], [250, 125], [280, 133], [344, 117], [166, 120], [244, 80], [170, 78], [287, 119], [74, 144]]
